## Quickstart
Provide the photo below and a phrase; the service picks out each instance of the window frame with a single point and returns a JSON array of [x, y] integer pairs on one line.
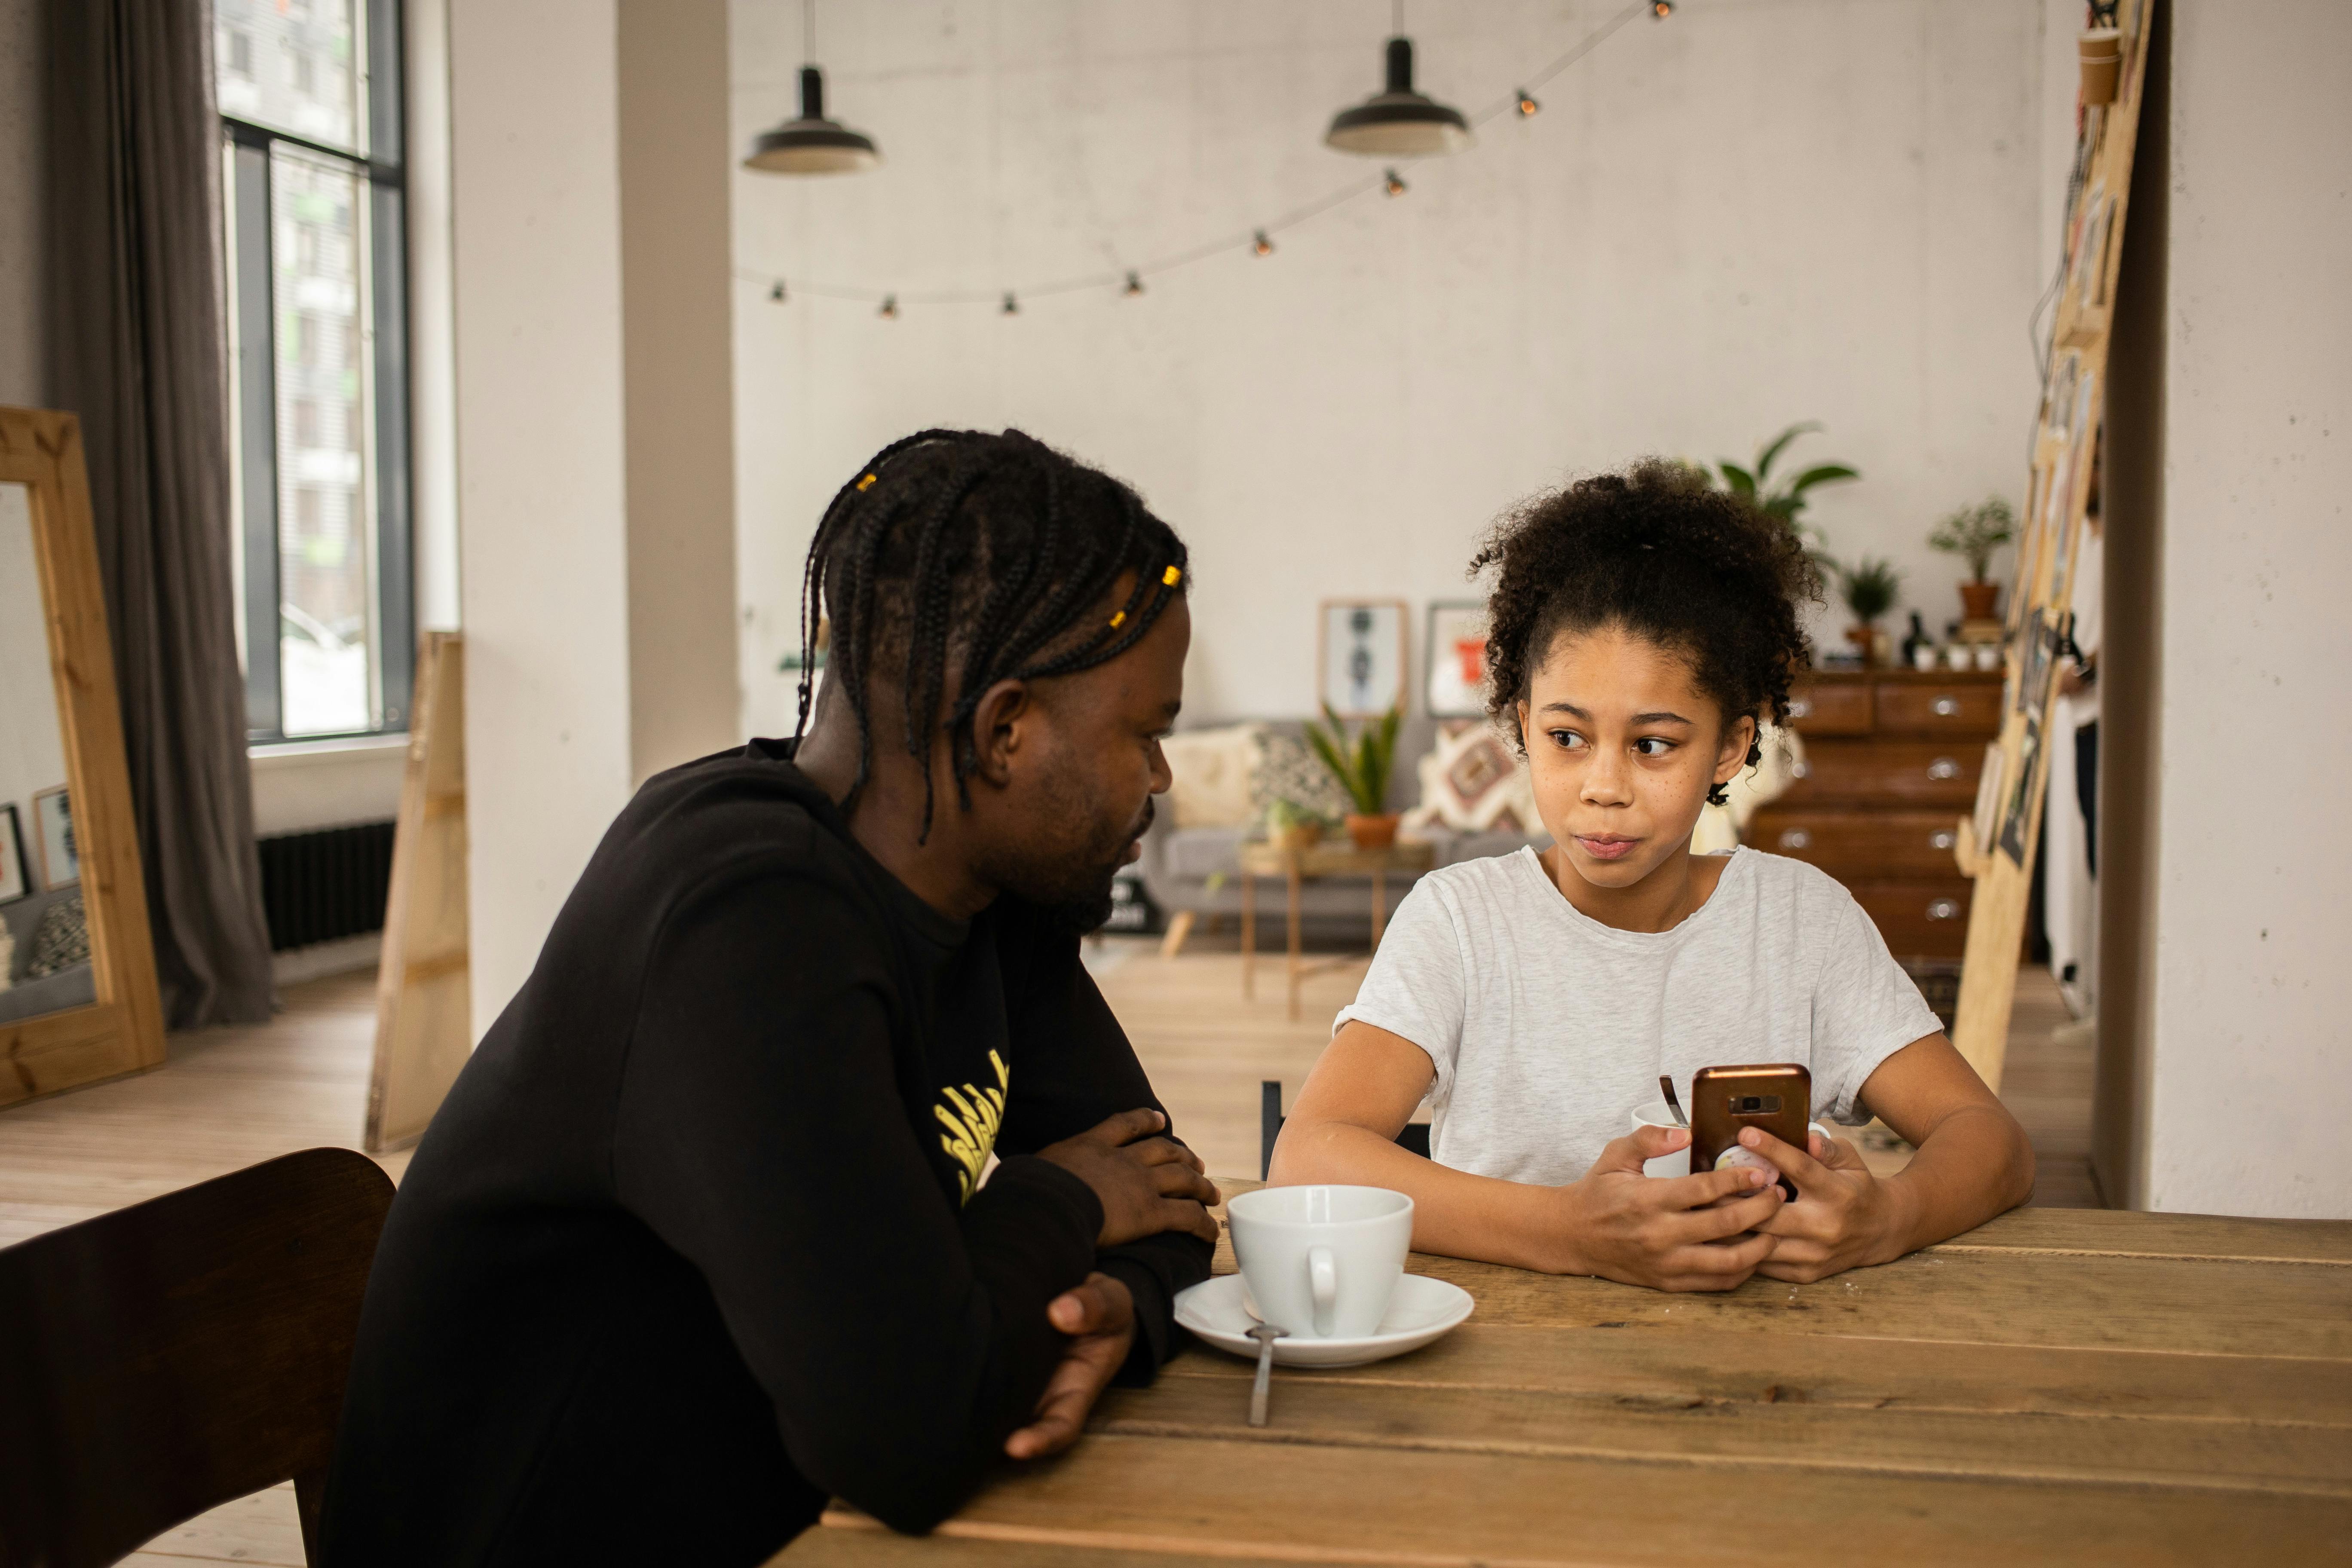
[[252, 284]]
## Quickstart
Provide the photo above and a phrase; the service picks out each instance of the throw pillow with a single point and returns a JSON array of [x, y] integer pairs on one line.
[[1289, 771], [1473, 781], [1213, 770], [61, 941]]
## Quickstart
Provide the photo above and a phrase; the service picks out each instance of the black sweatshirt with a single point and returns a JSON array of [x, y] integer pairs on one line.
[[695, 1241]]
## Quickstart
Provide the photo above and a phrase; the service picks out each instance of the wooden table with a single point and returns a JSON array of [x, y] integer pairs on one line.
[[2062, 1386], [1330, 857]]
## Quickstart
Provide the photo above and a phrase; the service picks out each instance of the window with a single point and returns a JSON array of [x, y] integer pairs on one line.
[[310, 115]]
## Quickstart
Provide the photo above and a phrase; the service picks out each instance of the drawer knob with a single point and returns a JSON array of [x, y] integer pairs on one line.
[[1942, 839], [1946, 707], [1801, 770], [1801, 708], [1943, 768], [1795, 838], [1944, 909]]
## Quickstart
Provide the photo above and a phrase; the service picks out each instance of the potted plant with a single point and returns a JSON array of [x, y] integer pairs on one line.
[[1362, 767], [1868, 587], [1291, 826], [1976, 532], [1783, 497]]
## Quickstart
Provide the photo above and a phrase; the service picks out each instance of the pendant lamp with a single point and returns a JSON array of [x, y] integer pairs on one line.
[[812, 144], [1400, 122]]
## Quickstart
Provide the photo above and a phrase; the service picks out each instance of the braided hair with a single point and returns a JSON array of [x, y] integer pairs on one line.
[[1656, 551], [961, 555]]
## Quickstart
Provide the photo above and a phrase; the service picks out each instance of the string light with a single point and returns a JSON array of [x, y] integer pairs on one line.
[[776, 294], [889, 312], [1526, 104], [1392, 182], [1012, 305], [1661, 9], [1260, 244], [1134, 285]]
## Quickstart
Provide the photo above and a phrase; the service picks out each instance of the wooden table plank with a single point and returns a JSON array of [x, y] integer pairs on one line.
[[2125, 1234], [1747, 1435], [1305, 1503]]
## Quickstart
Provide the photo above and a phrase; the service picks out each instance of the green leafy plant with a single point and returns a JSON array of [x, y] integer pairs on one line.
[[1785, 497], [1362, 765], [1976, 532], [1282, 813], [1869, 587]]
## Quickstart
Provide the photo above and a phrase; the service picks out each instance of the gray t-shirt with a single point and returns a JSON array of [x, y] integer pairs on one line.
[[1547, 1027]]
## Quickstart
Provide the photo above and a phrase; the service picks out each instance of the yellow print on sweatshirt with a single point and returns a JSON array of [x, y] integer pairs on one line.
[[972, 1125]]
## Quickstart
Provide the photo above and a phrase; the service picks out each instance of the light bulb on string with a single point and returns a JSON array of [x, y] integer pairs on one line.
[[1134, 285], [1260, 244], [1392, 182], [1526, 103], [889, 312], [1012, 305], [776, 294], [1661, 9]]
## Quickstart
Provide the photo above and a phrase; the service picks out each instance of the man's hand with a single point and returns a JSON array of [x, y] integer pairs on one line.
[[1842, 1216], [1100, 1318], [1676, 1233], [1147, 1183]]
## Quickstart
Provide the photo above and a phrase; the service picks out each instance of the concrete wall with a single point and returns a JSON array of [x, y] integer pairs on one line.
[[22, 379], [2249, 1090], [1719, 224]]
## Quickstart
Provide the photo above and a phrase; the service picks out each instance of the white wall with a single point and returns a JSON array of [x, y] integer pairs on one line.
[[536, 214], [2250, 1090], [1746, 216], [22, 377]]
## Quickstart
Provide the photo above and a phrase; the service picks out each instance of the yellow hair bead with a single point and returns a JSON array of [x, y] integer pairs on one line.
[[1174, 576], [866, 484], [1117, 619]]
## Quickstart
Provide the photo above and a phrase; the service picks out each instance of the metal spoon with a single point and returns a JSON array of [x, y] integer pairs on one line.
[[1667, 1082], [1265, 1334]]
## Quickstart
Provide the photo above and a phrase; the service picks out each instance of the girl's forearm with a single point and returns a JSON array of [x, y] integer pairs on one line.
[[1455, 1213], [1977, 1164]]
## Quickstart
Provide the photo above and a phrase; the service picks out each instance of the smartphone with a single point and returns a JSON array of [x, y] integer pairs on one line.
[[1777, 1098]]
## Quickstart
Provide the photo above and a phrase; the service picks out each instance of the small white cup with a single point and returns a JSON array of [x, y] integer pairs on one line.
[[1956, 656], [1987, 656], [1321, 1262]]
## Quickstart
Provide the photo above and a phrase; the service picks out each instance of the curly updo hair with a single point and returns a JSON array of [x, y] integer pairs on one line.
[[1656, 553]]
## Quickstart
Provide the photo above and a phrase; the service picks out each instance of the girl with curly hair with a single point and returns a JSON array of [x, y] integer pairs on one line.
[[1643, 628]]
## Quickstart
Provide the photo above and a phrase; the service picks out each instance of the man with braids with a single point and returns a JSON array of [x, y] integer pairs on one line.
[[709, 1227]]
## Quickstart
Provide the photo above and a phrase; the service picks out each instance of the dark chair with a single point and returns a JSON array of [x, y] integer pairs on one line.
[[172, 1356], [1413, 1140]]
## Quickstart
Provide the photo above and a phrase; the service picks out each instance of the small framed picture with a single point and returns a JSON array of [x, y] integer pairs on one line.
[[1454, 683], [2014, 821], [1360, 656], [53, 827], [1986, 820], [14, 881]]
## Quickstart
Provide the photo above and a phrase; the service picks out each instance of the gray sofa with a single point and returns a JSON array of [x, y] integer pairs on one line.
[[75, 987], [1178, 864]]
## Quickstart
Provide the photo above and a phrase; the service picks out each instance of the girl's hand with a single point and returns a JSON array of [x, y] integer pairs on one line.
[[1842, 1216], [1677, 1233]]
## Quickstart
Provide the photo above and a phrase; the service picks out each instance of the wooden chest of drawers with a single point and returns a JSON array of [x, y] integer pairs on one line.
[[1891, 763]]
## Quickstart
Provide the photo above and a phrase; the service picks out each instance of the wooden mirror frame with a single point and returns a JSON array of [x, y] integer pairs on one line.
[[123, 1031]]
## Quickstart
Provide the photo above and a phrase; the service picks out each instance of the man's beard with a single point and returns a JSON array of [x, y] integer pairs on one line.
[[1082, 906]]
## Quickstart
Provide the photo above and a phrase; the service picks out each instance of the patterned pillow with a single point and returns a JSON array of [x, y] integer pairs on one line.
[[61, 941], [1473, 781], [1214, 773], [1289, 771]]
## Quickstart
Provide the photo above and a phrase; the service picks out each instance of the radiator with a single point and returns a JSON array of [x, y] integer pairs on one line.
[[327, 885]]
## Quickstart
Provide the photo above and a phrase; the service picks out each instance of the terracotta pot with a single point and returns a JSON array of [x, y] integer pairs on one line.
[[1861, 638], [1373, 832], [1978, 600]]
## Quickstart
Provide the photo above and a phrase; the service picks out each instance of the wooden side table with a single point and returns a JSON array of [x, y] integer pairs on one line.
[[1331, 857]]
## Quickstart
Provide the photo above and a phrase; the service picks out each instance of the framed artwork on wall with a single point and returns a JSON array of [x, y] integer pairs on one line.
[[52, 826], [15, 883], [1359, 656], [1454, 683]]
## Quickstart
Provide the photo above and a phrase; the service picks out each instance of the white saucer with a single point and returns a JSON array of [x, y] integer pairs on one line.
[[1420, 1311]]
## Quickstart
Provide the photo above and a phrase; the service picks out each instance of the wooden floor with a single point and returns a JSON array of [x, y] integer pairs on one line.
[[229, 1098]]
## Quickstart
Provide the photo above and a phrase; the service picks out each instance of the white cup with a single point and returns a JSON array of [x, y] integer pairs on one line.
[[1321, 1262]]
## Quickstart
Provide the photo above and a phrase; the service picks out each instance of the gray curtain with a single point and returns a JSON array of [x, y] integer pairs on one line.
[[135, 350]]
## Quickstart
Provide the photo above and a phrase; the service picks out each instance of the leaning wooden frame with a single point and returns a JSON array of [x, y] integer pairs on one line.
[[122, 1029]]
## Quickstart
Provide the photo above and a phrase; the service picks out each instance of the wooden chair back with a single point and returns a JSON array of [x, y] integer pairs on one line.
[[174, 1355]]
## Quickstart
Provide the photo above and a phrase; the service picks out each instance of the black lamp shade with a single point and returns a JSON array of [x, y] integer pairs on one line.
[[812, 144], [1400, 122]]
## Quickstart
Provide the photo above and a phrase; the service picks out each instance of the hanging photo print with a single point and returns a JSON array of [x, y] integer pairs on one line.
[[53, 825], [1361, 658], [13, 882], [1456, 657], [2014, 821]]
